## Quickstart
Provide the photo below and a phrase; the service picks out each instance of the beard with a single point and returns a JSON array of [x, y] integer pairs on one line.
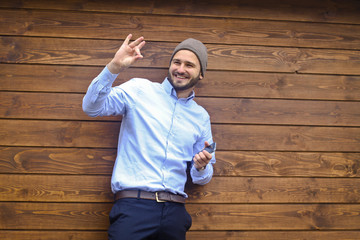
[[190, 84]]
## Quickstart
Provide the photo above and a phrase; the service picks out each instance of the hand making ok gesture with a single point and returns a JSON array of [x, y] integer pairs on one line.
[[126, 55]]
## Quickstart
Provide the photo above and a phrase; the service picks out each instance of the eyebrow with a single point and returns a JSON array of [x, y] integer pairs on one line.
[[187, 62]]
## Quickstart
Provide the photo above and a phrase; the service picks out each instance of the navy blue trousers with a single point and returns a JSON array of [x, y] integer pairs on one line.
[[141, 219]]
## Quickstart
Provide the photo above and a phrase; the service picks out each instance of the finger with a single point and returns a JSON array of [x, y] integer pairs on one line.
[[141, 44], [198, 163], [127, 39], [207, 155], [136, 42], [138, 53]]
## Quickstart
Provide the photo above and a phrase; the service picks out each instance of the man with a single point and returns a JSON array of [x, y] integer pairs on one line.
[[163, 132]]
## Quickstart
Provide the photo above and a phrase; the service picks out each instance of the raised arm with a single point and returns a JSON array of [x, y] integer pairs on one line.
[[98, 101]]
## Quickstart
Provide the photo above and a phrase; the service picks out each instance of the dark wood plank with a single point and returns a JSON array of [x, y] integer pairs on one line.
[[55, 133], [344, 11], [53, 235], [17, 77], [45, 106], [73, 79], [284, 138], [235, 111], [57, 160], [279, 235], [230, 163], [162, 28], [282, 112], [55, 188], [229, 137], [275, 217], [191, 235], [61, 188], [301, 164], [276, 190], [221, 57], [54, 216], [86, 216]]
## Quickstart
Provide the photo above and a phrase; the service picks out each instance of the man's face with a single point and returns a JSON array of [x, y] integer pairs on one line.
[[184, 71]]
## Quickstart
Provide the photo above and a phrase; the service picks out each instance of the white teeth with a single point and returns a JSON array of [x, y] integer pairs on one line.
[[181, 77]]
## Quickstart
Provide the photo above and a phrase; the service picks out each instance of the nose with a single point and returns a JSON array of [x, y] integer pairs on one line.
[[181, 68]]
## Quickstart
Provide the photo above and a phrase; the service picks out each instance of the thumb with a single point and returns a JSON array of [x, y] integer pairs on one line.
[[206, 144]]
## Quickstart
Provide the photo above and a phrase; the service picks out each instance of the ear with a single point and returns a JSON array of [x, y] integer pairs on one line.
[[201, 76]]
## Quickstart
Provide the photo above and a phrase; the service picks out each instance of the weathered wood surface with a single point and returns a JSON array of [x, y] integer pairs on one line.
[[338, 11], [170, 28], [92, 52], [58, 188], [87, 216], [202, 235], [230, 163], [22, 105], [230, 137], [76, 79]]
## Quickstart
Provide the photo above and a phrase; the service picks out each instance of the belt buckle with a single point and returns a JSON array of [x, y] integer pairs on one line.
[[157, 197]]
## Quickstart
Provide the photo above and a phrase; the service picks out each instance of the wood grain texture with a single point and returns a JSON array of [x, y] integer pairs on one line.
[[50, 216], [230, 137], [225, 110], [221, 57], [221, 190], [172, 28], [86, 161], [301, 164], [199, 235], [275, 217], [87, 216], [57, 160], [338, 11], [76, 79]]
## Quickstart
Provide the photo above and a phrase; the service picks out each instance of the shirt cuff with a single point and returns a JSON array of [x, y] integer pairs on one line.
[[201, 173], [106, 77]]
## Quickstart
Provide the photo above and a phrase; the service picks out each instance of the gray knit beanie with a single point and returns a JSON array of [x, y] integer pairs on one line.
[[196, 47]]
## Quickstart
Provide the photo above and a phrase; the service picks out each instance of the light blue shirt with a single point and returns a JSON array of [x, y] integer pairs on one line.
[[159, 133]]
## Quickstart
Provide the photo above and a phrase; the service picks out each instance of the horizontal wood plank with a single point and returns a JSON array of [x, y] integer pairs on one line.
[[55, 188], [284, 138], [191, 235], [230, 137], [234, 111], [76, 79], [221, 57], [275, 217], [55, 133], [53, 235], [57, 160], [230, 163], [87, 216], [307, 10], [276, 190], [176, 28], [54, 216], [278, 235], [276, 164]]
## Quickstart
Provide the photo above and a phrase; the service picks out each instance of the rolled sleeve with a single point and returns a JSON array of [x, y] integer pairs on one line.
[[202, 177]]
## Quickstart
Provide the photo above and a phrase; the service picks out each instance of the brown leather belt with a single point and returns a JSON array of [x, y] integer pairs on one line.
[[157, 196]]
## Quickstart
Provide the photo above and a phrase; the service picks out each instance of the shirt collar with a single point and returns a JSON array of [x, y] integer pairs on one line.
[[171, 91]]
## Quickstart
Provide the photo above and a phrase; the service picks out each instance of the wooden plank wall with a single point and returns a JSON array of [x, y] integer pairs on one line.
[[282, 89]]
